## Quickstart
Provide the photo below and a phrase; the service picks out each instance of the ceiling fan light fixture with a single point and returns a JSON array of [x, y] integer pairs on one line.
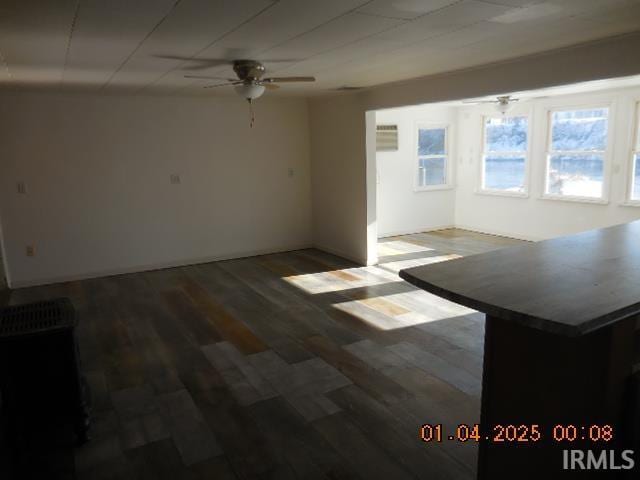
[[250, 91]]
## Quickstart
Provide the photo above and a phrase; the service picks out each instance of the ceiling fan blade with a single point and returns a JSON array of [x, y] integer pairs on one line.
[[476, 102], [205, 77], [224, 84], [201, 66], [171, 57], [271, 86], [199, 63], [289, 79], [280, 60]]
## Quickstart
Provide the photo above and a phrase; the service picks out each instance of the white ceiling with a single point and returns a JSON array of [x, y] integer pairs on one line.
[[149, 45]]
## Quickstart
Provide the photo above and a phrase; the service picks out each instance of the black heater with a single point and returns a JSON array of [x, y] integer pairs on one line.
[[44, 395]]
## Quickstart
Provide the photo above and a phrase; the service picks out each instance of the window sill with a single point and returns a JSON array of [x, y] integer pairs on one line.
[[630, 203], [588, 200], [500, 193], [433, 188]]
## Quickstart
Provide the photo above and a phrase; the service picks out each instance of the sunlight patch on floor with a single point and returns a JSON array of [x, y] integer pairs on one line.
[[339, 280], [417, 262], [398, 247], [376, 312]]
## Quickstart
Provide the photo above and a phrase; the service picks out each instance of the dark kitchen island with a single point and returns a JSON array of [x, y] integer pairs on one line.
[[560, 343]]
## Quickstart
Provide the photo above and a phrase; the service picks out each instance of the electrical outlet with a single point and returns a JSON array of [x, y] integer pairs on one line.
[[31, 251], [174, 178], [22, 188]]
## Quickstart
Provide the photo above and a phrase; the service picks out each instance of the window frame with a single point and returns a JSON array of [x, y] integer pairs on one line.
[[483, 153], [606, 154], [634, 150], [448, 184]]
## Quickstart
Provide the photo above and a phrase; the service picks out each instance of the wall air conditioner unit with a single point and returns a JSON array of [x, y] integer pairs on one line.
[[386, 138]]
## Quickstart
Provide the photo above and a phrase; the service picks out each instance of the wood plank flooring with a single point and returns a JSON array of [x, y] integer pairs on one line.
[[292, 365]]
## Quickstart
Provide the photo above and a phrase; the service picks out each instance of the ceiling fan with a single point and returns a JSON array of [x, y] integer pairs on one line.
[[250, 82], [204, 63], [503, 102]]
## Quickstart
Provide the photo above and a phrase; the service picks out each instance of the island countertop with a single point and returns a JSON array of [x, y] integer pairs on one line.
[[568, 286]]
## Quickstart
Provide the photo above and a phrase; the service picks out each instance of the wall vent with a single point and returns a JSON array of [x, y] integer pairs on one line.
[[386, 138]]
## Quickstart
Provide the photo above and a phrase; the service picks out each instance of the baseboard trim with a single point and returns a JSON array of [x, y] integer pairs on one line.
[[498, 233], [364, 262], [348, 256], [414, 231], [216, 258], [152, 267]]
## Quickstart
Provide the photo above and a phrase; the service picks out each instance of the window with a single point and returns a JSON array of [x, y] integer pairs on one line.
[[635, 179], [432, 157], [504, 160], [576, 157]]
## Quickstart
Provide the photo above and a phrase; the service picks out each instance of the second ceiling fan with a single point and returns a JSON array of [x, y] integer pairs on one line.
[[502, 103]]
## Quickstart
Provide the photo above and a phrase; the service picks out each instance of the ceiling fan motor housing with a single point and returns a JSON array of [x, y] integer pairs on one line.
[[248, 69]]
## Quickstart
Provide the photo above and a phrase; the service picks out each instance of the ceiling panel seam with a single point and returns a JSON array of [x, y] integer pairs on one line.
[[353, 10], [501, 4], [333, 19], [261, 52], [72, 30], [162, 20], [404, 45], [434, 37], [405, 21], [390, 17], [221, 37]]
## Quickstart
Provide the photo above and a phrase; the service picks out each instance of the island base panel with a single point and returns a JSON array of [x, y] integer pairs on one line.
[[525, 382]]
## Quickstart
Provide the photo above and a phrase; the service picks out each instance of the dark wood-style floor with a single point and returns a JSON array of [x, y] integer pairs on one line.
[[293, 365]]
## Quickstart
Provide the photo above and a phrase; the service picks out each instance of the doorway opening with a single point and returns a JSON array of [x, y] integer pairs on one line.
[[411, 172]]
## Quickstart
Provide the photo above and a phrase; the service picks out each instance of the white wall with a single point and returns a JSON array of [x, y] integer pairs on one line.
[[339, 154], [99, 199], [535, 217], [402, 209], [338, 177]]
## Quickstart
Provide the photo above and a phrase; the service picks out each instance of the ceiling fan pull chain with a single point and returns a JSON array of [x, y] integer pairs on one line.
[[251, 113]]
